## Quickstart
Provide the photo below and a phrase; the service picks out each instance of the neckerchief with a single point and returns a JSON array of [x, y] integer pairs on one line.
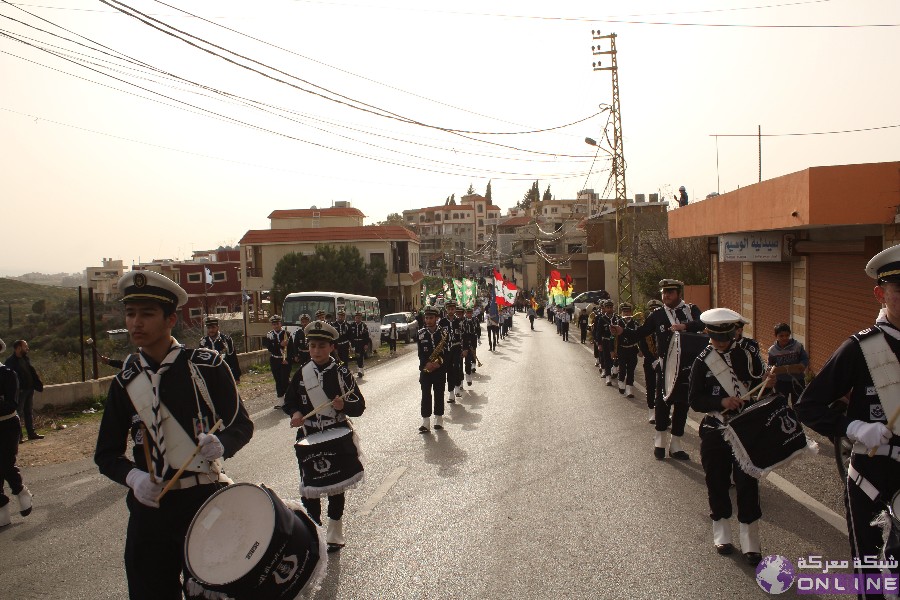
[[158, 450]]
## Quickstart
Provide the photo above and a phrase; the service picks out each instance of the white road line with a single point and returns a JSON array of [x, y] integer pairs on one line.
[[382, 491], [72, 484], [825, 513]]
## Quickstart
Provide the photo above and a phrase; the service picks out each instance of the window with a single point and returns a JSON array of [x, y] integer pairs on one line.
[[194, 277], [196, 313], [575, 249], [481, 222], [421, 218], [456, 215], [376, 257], [481, 208], [220, 310], [437, 216], [480, 237], [553, 210], [220, 276]]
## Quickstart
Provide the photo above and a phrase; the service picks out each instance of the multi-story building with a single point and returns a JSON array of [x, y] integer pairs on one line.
[[300, 231], [210, 278], [103, 280], [450, 233]]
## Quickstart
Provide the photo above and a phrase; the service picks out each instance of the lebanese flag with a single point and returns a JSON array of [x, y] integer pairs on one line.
[[498, 288], [509, 293]]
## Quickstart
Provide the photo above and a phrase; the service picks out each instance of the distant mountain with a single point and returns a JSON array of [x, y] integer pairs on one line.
[[23, 294], [57, 279]]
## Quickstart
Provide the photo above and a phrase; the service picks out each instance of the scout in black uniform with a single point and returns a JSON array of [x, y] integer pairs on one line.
[[359, 337], [223, 344], [720, 376], [873, 481], [453, 324], [471, 334], [10, 432], [432, 342], [626, 349], [337, 384], [342, 344], [299, 344], [583, 324], [674, 315], [169, 396], [647, 346], [277, 342], [607, 339]]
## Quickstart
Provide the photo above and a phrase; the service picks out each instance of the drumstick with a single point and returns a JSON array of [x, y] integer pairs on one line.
[[890, 426], [186, 463], [144, 434]]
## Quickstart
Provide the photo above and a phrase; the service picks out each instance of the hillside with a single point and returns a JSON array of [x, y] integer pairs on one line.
[[22, 295]]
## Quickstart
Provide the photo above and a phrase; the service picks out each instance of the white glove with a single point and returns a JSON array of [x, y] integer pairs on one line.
[[145, 490], [871, 435], [210, 446]]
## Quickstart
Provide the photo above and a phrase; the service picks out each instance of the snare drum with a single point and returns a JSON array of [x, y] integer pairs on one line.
[[330, 462], [766, 435], [246, 543], [683, 349]]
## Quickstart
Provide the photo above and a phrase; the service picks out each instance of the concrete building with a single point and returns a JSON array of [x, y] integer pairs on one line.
[[103, 279], [793, 249]]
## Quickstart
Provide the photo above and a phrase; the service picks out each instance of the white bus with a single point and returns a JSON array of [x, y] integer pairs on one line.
[[309, 303]]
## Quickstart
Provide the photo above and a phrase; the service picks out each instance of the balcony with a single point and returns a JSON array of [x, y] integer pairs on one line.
[[254, 272]]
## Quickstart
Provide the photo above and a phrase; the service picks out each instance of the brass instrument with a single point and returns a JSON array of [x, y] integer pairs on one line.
[[438, 350]]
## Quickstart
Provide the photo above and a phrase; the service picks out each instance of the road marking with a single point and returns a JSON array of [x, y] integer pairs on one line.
[[72, 484], [816, 507], [382, 491]]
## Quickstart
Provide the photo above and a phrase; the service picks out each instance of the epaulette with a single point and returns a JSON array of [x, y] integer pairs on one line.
[[205, 357], [130, 367], [865, 333]]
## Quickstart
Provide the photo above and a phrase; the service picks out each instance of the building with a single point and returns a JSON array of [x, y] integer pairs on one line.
[[103, 280], [451, 235], [261, 249], [211, 279], [793, 249]]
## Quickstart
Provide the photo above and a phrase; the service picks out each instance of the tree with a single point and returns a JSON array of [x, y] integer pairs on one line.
[[487, 193], [39, 307], [532, 195], [329, 269], [395, 219], [451, 201], [470, 191], [547, 196], [659, 257]]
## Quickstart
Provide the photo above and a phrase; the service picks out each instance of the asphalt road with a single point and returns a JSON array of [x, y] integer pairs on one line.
[[543, 485]]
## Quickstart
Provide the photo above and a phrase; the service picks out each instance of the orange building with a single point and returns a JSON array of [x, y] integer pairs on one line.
[[793, 249]]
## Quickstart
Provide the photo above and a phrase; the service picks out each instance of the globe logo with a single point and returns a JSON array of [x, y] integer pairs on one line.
[[775, 574]]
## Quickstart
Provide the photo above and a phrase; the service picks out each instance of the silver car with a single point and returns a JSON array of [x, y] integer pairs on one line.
[[407, 326]]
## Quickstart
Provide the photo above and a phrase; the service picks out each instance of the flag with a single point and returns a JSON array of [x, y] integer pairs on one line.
[[498, 289], [509, 293], [208, 274]]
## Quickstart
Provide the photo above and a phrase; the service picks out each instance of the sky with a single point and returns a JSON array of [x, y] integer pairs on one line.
[[137, 142]]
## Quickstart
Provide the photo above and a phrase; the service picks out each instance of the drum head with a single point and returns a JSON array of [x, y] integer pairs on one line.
[[230, 533], [324, 436]]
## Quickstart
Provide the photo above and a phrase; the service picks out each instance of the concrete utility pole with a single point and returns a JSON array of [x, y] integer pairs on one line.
[[624, 225]]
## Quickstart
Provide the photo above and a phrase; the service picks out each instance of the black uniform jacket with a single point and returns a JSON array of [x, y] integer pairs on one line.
[[658, 324], [471, 331], [224, 345], [177, 392], [332, 375], [300, 346], [359, 334], [273, 341], [427, 341], [707, 392], [454, 327], [9, 392], [343, 329]]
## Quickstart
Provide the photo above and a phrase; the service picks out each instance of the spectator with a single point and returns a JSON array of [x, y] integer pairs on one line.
[[29, 383], [682, 197], [788, 351]]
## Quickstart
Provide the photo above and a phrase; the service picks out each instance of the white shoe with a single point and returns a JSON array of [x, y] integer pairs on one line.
[[749, 534], [469, 378], [651, 415], [5, 518], [426, 425], [459, 391], [614, 370], [722, 536], [335, 535], [439, 421], [629, 392], [25, 503], [279, 401]]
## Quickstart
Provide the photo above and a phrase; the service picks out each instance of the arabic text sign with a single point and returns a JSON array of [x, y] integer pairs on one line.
[[750, 247]]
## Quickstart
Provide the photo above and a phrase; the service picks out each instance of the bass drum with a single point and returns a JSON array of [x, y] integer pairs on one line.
[[683, 349]]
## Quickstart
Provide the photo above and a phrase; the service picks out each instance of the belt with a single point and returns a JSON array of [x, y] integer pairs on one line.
[[630, 346], [9, 416], [275, 355], [892, 451], [862, 483], [189, 481]]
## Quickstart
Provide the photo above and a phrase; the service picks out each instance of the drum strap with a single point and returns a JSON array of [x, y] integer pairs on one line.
[[862, 483], [725, 374], [313, 380], [673, 319], [885, 371]]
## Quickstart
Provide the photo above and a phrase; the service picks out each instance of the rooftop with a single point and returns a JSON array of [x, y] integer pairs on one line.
[[329, 234]]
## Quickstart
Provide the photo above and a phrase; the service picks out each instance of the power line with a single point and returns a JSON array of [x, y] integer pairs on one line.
[[801, 134]]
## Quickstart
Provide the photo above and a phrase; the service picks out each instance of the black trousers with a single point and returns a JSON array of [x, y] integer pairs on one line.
[[531, 318], [628, 359], [282, 375], [584, 333], [493, 334], [154, 542], [790, 389], [10, 432], [606, 360], [650, 379], [26, 410], [360, 354], [454, 368], [313, 507], [677, 403], [432, 392], [343, 352], [719, 465], [469, 359]]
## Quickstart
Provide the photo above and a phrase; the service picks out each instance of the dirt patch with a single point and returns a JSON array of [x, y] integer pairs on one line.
[[72, 435]]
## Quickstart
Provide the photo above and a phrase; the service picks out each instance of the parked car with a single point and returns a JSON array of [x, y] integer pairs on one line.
[[407, 326], [584, 299]]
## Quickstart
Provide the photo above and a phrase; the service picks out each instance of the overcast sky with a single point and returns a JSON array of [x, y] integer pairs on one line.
[[122, 140]]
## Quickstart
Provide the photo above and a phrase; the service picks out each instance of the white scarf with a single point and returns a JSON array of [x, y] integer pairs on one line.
[[158, 450]]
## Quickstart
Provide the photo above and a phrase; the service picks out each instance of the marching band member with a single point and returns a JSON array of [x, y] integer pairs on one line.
[[322, 380], [674, 315], [720, 376], [342, 345], [583, 324], [647, 346], [453, 324], [607, 339], [596, 331], [299, 343], [432, 342], [493, 329], [223, 344], [874, 398], [626, 349], [165, 398], [10, 432], [277, 342], [359, 337], [471, 332]]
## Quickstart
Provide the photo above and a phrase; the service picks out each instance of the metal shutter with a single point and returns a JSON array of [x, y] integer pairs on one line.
[[840, 303], [771, 300], [729, 286]]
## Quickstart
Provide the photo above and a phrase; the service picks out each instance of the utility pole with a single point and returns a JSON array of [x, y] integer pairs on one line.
[[624, 226]]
